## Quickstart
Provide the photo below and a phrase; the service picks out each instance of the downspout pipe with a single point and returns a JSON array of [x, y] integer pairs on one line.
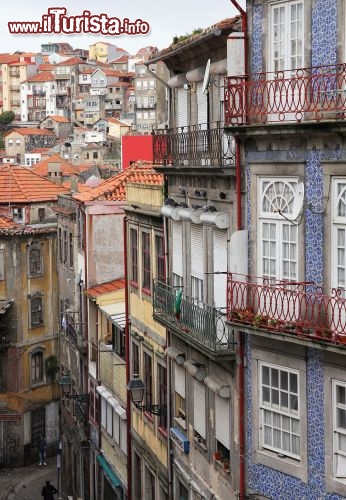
[[240, 343], [127, 357]]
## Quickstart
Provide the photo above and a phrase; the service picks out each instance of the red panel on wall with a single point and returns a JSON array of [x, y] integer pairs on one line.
[[136, 148]]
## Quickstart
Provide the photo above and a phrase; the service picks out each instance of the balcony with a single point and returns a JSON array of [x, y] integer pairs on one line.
[[197, 145], [300, 95], [198, 324], [299, 310]]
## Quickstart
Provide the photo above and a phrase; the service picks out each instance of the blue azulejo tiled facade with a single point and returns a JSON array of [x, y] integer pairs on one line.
[[276, 485]]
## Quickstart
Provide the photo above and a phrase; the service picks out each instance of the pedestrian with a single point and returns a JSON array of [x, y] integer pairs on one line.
[[42, 448], [48, 491]]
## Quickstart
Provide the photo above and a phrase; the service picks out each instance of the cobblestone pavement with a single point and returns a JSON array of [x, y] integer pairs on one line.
[[25, 483]]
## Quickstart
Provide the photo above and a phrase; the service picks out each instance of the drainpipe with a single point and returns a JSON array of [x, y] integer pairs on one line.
[[127, 350], [240, 341]]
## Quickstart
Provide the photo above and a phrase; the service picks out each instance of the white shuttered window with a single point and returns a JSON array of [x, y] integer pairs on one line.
[[199, 410]]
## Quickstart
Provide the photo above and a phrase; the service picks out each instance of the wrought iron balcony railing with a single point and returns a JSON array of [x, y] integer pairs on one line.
[[296, 308], [196, 322], [198, 145], [304, 94]]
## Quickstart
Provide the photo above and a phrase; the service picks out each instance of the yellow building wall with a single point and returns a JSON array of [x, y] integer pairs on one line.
[[145, 430]]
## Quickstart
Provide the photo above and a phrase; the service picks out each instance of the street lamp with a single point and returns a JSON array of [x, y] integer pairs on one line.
[[136, 388], [66, 387]]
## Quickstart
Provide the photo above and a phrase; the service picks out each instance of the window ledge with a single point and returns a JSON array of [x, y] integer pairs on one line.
[[181, 422], [200, 442]]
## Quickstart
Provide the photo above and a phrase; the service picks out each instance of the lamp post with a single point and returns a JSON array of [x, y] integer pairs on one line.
[[58, 466], [136, 388]]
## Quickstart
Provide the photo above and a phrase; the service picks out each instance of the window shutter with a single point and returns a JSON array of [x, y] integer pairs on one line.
[[199, 420], [109, 419], [220, 265], [179, 379], [222, 420], [123, 438], [197, 251], [202, 106], [103, 412], [177, 258], [182, 114], [116, 427]]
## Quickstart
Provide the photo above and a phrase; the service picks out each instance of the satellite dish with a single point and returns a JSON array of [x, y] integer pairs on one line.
[[206, 79], [298, 201]]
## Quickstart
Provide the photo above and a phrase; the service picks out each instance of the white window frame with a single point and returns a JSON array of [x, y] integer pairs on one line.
[[339, 433], [285, 37], [279, 412], [274, 248], [338, 200]]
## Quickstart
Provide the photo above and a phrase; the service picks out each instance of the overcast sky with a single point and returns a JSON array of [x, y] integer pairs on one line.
[[166, 19]]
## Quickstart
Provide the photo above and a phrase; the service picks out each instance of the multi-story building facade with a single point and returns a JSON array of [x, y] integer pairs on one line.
[[197, 160], [13, 73], [146, 261], [105, 52], [28, 284], [151, 110], [20, 141], [287, 111]]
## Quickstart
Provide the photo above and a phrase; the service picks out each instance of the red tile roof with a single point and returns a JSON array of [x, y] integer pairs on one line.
[[8, 223], [121, 59], [59, 119], [114, 189], [45, 67], [46, 76], [66, 167], [22, 185], [7, 58], [71, 62], [111, 286], [31, 131]]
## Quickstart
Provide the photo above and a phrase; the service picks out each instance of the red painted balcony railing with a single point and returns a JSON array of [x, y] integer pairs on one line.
[[295, 308], [304, 94]]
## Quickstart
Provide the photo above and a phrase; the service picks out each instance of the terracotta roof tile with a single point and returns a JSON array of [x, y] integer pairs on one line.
[[46, 76], [22, 185], [114, 189], [67, 168], [109, 287], [31, 131], [71, 62], [7, 58], [59, 119]]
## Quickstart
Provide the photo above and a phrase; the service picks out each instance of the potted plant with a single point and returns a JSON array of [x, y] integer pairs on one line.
[[217, 455]]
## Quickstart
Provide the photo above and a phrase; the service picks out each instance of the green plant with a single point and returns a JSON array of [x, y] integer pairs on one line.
[[257, 320], [52, 366]]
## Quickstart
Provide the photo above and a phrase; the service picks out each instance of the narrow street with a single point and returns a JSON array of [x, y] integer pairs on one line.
[[25, 483]]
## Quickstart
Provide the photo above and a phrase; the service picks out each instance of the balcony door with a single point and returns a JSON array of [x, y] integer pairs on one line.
[[286, 31], [338, 253], [278, 248]]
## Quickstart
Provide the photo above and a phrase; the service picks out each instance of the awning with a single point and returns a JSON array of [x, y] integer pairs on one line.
[[115, 313], [109, 472]]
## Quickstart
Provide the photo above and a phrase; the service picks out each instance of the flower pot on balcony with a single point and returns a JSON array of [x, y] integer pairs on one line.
[[342, 338], [217, 455], [226, 465]]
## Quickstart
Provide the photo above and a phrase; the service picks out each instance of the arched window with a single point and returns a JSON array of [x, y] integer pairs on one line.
[[36, 366], [36, 311], [278, 236], [35, 262]]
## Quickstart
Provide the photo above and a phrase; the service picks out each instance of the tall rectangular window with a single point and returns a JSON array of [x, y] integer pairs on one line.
[[148, 378], [2, 264], [279, 410], [70, 249], [339, 428], [36, 367], [134, 257], [135, 359], [160, 257], [36, 313], [287, 35], [146, 271], [38, 425], [162, 393]]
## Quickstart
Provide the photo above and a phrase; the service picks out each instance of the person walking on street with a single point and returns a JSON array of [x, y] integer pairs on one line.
[[42, 448], [48, 491]]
